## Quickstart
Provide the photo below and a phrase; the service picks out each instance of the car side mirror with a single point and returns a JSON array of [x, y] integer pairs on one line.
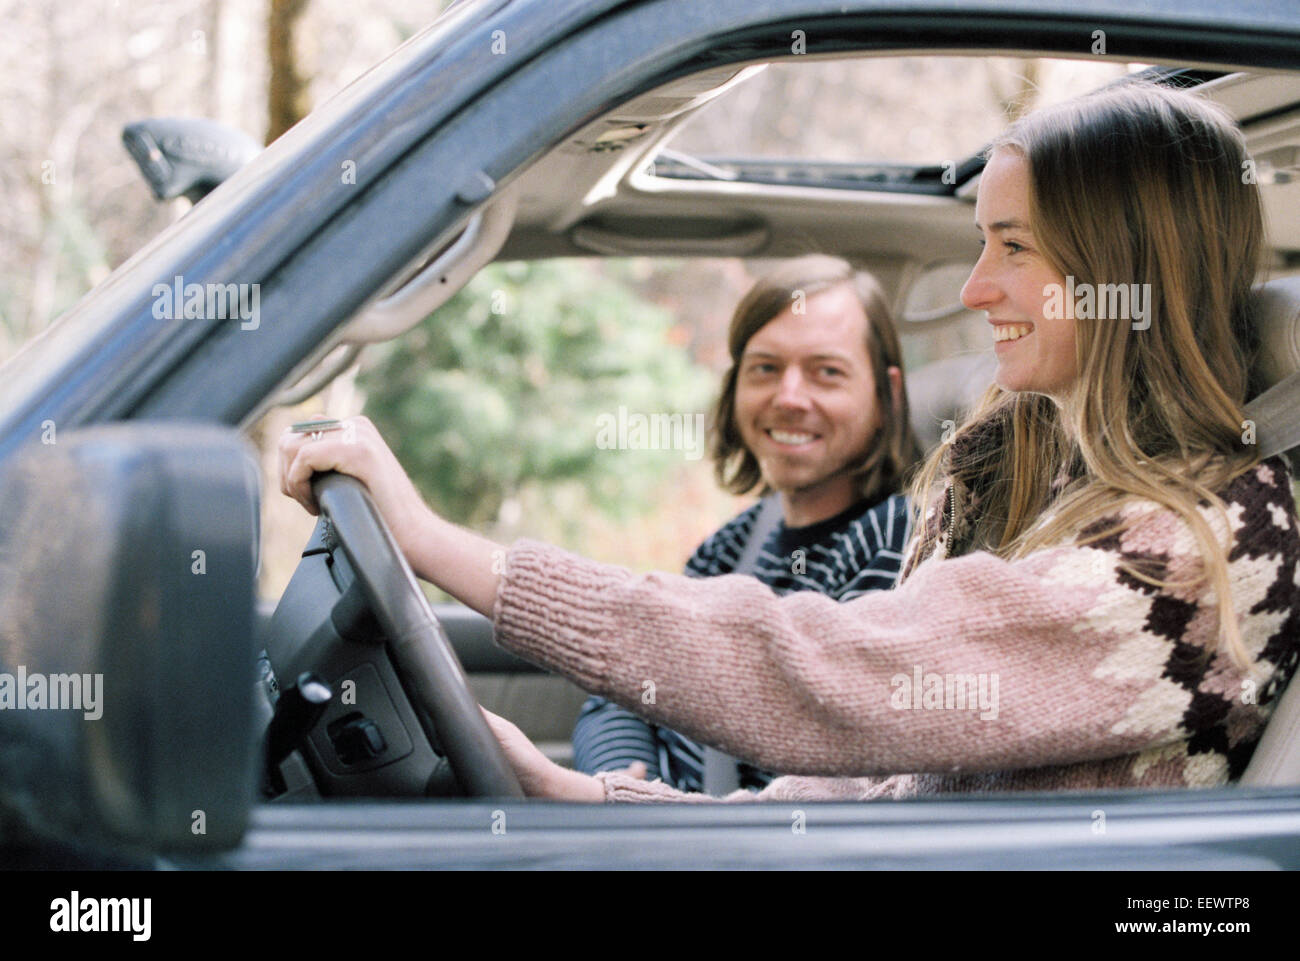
[[127, 647], [187, 156]]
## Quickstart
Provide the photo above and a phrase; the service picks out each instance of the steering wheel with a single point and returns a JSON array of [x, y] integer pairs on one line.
[[420, 651]]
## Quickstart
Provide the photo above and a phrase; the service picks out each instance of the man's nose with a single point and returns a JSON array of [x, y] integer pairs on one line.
[[792, 391]]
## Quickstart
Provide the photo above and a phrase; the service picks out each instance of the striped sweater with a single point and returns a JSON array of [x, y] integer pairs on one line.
[[1057, 670], [855, 551]]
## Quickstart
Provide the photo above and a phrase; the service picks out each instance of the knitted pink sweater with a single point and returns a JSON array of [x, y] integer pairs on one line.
[[1057, 670]]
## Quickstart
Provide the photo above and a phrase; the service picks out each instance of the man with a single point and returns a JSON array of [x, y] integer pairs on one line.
[[814, 410]]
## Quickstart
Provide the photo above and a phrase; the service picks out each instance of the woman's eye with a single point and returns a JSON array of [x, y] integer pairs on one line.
[[831, 372], [761, 368], [1011, 245]]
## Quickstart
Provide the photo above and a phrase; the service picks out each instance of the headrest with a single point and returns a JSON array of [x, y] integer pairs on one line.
[[1277, 305], [941, 393]]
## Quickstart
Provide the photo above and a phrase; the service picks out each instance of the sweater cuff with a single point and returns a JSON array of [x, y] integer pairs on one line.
[[621, 787], [548, 610]]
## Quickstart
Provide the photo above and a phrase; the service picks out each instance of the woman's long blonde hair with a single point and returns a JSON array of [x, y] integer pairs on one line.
[[1137, 183]]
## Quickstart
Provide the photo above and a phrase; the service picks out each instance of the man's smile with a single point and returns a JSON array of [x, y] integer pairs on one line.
[[793, 439]]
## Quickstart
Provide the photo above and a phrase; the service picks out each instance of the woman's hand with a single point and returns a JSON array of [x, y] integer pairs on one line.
[[538, 775], [354, 448], [461, 562]]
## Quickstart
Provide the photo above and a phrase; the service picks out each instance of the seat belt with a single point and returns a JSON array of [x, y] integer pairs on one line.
[[1277, 416], [1277, 755], [721, 775]]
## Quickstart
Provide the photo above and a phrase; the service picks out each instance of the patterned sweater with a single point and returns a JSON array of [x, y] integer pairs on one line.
[[1057, 670]]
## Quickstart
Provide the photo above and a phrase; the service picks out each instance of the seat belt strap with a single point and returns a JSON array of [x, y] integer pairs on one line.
[[1277, 417], [721, 775]]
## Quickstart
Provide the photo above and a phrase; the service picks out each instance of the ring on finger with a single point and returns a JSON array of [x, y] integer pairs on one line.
[[315, 429]]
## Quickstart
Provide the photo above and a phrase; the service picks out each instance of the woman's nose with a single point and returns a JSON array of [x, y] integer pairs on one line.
[[979, 291]]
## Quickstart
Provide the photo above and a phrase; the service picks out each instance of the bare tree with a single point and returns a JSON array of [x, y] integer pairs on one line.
[[288, 99]]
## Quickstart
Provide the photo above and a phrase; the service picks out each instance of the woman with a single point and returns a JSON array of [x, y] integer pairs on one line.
[[814, 410], [1103, 590]]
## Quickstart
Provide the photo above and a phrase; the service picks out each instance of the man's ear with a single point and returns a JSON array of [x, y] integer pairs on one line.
[[896, 386]]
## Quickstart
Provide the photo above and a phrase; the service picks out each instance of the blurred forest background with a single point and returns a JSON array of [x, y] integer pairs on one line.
[[492, 403]]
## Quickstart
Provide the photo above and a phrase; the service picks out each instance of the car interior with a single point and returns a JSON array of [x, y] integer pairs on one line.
[[617, 188]]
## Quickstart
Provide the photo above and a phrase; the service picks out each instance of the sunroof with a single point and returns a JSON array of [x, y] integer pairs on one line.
[[912, 111]]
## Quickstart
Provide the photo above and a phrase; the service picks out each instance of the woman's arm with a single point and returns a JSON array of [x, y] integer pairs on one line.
[[464, 564], [973, 664]]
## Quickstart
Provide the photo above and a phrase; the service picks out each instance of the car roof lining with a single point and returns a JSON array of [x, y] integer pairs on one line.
[[554, 221]]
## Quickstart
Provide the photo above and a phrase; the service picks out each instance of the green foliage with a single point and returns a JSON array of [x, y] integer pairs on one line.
[[500, 391]]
